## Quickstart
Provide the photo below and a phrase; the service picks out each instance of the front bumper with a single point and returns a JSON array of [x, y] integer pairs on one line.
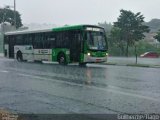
[[90, 59]]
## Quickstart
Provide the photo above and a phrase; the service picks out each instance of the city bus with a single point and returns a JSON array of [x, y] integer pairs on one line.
[[79, 43]]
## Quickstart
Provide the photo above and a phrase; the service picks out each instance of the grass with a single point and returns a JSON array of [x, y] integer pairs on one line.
[[138, 65], [133, 65]]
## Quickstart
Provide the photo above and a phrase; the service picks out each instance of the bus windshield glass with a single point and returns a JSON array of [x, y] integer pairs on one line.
[[96, 40]]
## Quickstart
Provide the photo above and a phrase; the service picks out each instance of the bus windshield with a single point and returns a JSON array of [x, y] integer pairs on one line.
[[96, 40]]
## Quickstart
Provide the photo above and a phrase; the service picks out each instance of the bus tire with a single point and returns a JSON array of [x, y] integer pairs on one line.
[[62, 59], [19, 56]]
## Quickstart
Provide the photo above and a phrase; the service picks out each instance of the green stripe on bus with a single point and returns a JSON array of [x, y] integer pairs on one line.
[[68, 28]]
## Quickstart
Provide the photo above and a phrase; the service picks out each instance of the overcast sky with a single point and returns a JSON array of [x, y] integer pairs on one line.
[[62, 12]]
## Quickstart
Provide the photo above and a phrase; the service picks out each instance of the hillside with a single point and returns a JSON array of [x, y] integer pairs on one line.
[[154, 25]]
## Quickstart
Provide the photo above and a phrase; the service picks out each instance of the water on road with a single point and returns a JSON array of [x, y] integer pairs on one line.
[[51, 88]]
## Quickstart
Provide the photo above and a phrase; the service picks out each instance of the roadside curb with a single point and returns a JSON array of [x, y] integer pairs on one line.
[[133, 65], [119, 64]]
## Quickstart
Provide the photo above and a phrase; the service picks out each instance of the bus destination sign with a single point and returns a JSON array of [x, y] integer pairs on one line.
[[93, 29]]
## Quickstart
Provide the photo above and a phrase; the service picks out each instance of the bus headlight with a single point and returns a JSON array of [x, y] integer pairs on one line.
[[88, 54]]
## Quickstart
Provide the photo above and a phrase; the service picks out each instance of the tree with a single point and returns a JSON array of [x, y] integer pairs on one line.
[[131, 26], [157, 36], [106, 26], [7, 15], [115, 39]]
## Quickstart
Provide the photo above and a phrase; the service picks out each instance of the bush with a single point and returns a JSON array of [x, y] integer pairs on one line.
[[142, 47]]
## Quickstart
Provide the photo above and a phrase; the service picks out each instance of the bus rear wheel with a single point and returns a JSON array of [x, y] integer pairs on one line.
[[19, 56], [62, 59]]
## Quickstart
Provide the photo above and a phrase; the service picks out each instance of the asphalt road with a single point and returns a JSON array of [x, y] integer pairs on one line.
[[132, 60], [51, 88]]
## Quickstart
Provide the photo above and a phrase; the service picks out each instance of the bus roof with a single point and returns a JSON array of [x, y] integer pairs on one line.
[[73, 27]]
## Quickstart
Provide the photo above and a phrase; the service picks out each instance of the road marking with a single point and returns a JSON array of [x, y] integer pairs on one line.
[[111, 89]]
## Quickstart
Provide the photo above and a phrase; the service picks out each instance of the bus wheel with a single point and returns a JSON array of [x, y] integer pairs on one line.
[[62, 59], [19, 56]]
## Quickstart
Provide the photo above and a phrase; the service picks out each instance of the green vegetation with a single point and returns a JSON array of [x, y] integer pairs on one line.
[[128, 33], [138, 65], [7, 15], [157, 36], [142, 47], [130, 29], [106, 26]]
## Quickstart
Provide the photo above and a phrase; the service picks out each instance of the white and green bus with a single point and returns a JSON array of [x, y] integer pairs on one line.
[[68, 44]]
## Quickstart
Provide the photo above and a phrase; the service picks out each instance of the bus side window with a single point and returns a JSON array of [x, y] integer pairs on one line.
[[30, 39], [62, 39], [6, 39], [38, 41], [49, 40], [27, 38], [59, 40], [66, 40], [19, 40], [75, 38]]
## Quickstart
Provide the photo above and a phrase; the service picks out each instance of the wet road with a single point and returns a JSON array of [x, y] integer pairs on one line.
[[51, 88], [132, 60]]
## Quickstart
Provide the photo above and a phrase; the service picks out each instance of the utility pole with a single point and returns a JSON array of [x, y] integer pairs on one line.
[[15, 22], [136, 44], [3, 22]]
